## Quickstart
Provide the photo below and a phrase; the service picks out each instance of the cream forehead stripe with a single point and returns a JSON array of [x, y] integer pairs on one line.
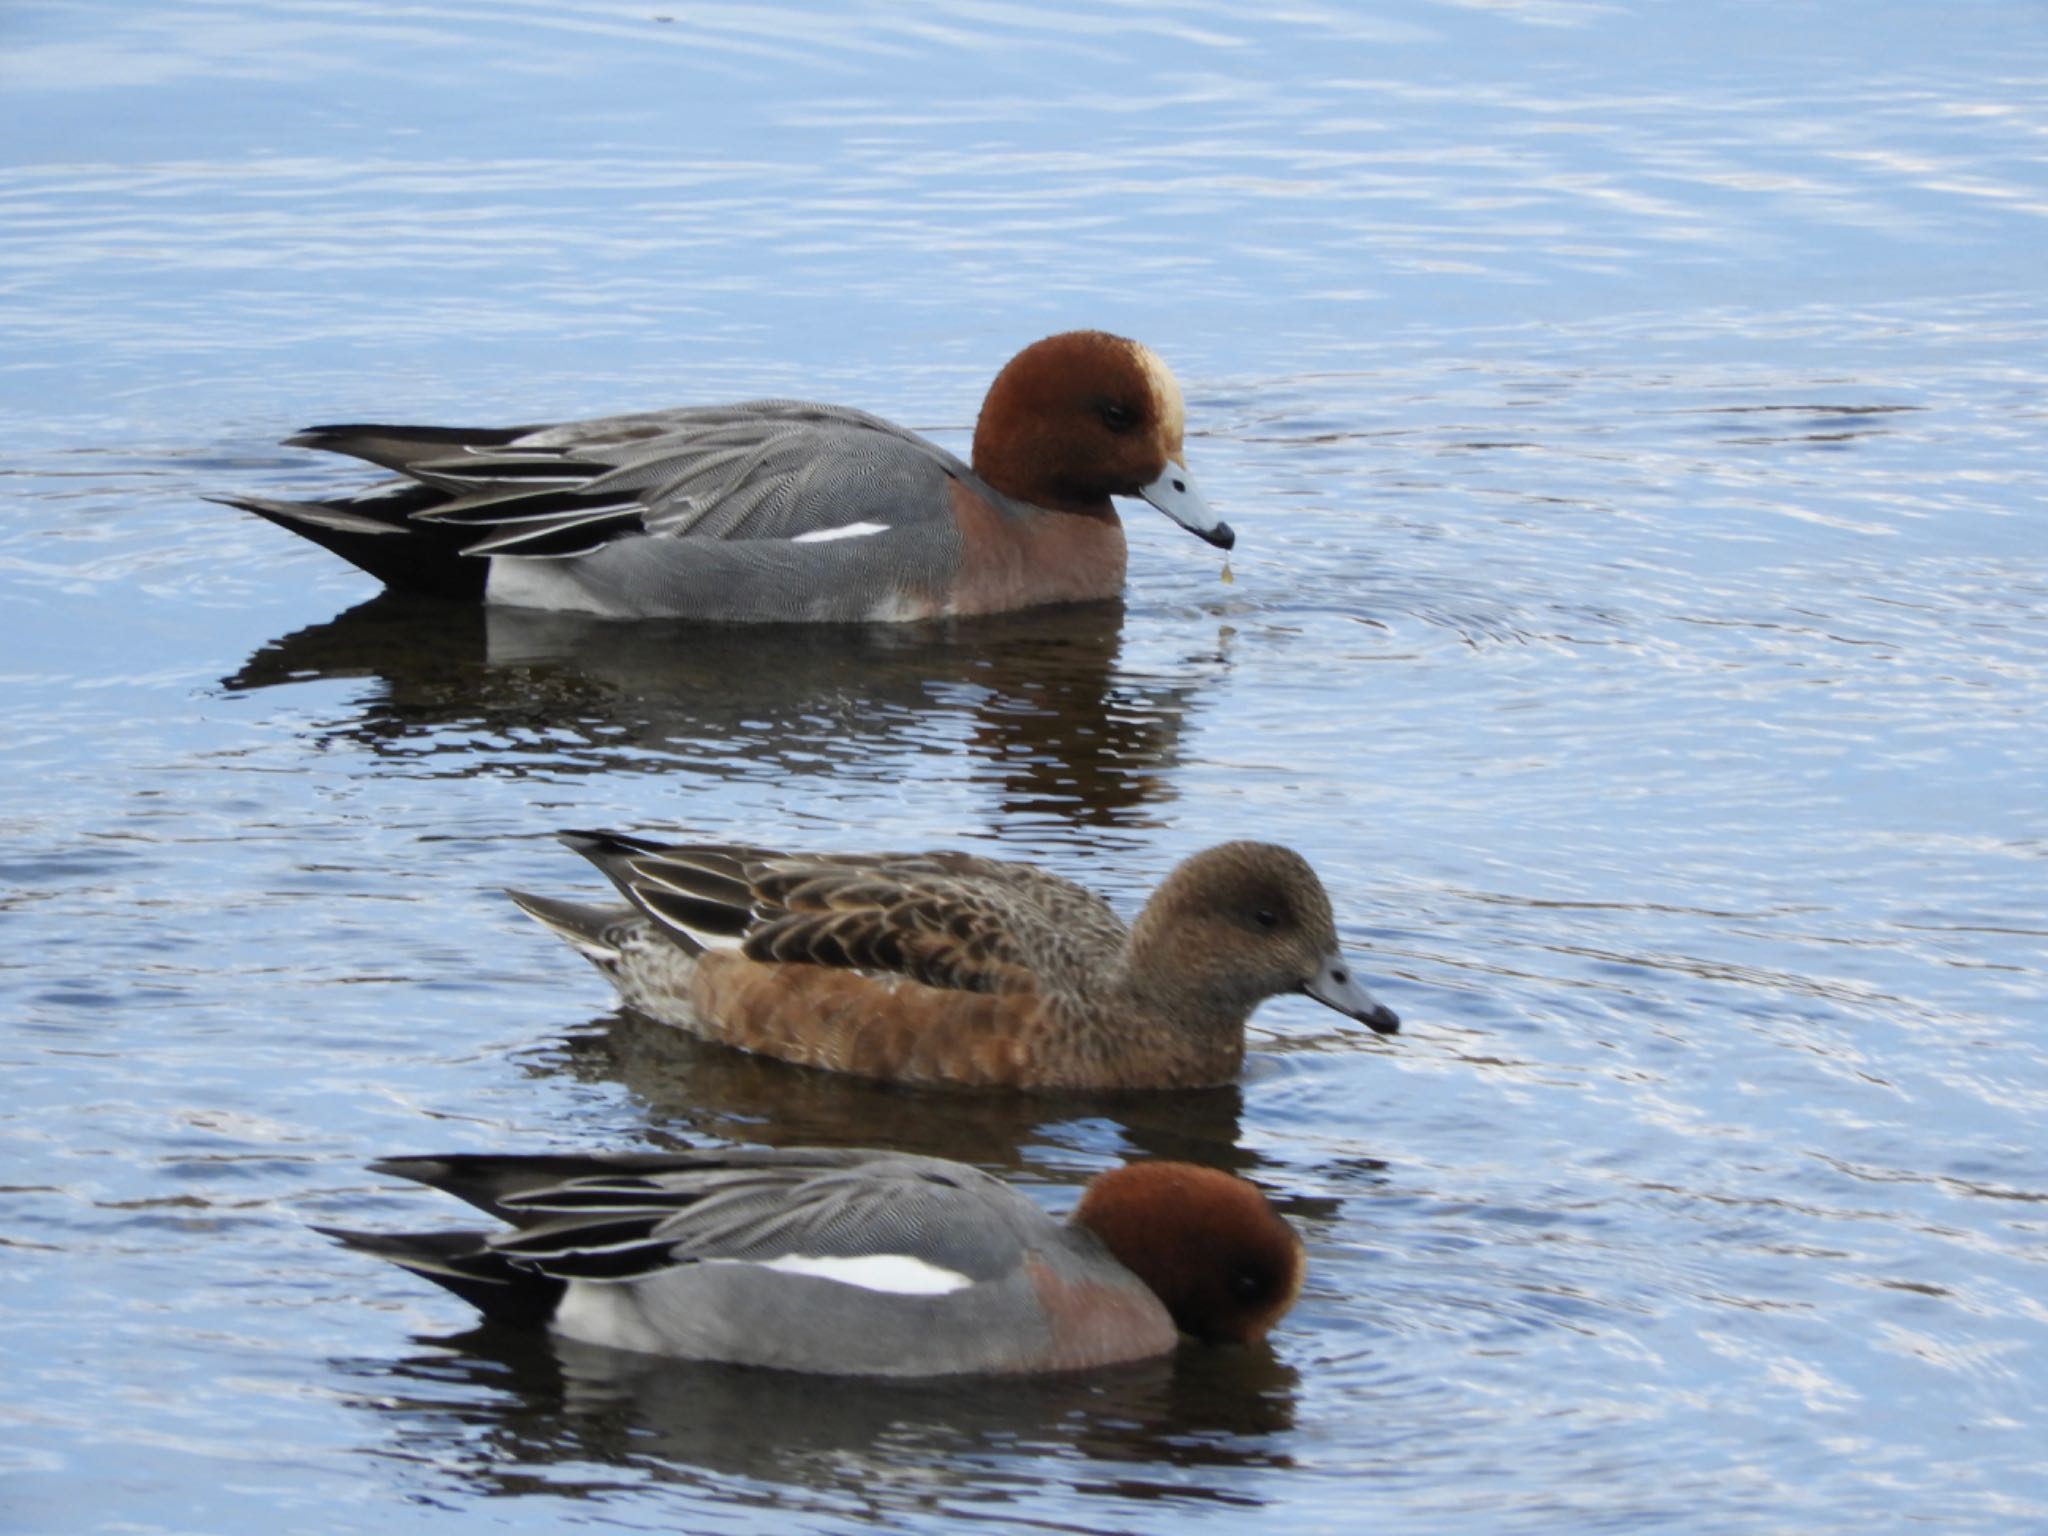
[[898, 1273], [1173, 413]]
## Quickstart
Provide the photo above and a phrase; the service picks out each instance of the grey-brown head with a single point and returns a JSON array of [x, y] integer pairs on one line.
[[1246, 921]]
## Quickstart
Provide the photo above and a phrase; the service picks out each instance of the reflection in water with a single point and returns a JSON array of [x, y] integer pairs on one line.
[[1829, 425], [509, 1413], [695, 1091], [1036, 698]]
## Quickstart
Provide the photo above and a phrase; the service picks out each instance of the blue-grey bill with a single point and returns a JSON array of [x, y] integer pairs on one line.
[[1337, 986], [1174, 494]]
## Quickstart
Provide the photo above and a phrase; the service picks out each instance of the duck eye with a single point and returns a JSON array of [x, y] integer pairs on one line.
[[1116, 416], [1248, 1285], [1266, 917]]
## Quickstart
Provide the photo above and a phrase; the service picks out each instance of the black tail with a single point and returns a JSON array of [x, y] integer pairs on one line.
[[376, 533], [466, 1265]]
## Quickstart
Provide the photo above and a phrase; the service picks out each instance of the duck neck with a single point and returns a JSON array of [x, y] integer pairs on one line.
[[1015, 467], [1183, 1012]]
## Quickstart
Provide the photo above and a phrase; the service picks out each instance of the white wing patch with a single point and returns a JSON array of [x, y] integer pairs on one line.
[[848, 531], [898, 1273]]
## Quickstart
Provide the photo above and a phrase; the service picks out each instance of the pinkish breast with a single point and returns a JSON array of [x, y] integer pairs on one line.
[[1098, 1321], [1010, 562]]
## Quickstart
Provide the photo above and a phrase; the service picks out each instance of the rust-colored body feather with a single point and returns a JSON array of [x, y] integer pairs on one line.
[[949, 967]]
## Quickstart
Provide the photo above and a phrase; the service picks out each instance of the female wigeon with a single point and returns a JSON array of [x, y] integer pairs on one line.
[[946, 967], [853, 1262], [777, 510]]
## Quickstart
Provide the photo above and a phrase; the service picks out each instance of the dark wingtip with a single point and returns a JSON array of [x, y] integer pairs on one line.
[[595, 845]]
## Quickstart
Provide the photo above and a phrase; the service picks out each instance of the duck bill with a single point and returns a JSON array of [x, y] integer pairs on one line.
[[1337, 986], [1174, 494]]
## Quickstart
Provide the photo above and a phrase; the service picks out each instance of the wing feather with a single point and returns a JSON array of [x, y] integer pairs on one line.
[[768, 469], [954, 921], [586, 1219]]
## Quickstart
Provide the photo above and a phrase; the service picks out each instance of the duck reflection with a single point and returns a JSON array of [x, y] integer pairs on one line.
[[1037, 699], [509, 1412], [694, 1092]]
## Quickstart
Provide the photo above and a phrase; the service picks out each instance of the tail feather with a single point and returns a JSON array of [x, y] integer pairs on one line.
[[590, 931], [376, 532], [463, 1262], [701, 894], [487, 1180], [398, 448]]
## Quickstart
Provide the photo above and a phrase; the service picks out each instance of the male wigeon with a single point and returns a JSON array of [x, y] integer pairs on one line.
[[946, 967], [852, 1262], [778, 510]]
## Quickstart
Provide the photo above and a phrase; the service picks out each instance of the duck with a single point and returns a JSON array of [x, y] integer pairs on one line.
[[850, 1261], [777, 511], [952, 968]]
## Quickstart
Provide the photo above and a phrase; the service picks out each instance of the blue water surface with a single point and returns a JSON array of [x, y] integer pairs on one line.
[[1634, 418]]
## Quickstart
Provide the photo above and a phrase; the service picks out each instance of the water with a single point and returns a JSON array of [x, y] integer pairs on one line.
[[1633, 419]]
